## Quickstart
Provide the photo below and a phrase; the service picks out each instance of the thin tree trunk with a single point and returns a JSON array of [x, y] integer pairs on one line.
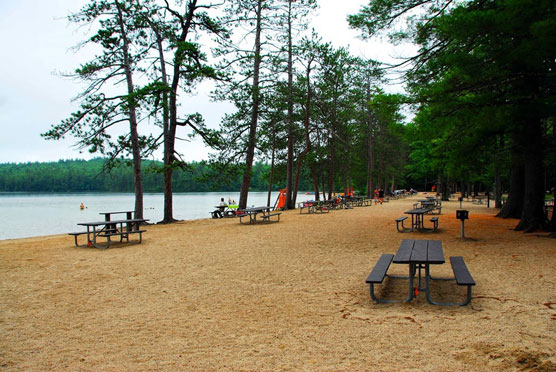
[[497, 178], [306, 123], [315, 180], [290, 204], [170, 135], [254, 114], [553, 219], [167, 178], [324, 189], [271, 177], [135, 148]]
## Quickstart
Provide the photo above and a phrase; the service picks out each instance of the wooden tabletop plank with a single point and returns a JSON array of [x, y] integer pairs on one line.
[[419, 253], [435, 254], [404, 252], [112, 222]]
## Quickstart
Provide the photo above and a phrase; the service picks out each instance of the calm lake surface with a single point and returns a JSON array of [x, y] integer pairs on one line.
[[31, 214]]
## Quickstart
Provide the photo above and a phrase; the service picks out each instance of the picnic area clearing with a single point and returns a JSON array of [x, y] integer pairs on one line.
[[210, 295]]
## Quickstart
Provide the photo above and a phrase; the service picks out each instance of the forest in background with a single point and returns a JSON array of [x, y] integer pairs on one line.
[[88, 176]]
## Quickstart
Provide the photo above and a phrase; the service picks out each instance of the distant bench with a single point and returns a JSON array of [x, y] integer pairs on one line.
[[400, 221]]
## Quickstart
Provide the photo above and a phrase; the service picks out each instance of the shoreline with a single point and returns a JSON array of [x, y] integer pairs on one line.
[[214, 295]]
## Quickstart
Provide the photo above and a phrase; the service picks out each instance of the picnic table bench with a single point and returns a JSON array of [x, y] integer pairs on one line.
[[108, 229], [378, 274], [399, 221]]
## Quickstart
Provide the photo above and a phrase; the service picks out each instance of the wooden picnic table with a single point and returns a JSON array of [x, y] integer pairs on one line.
[[226, 210], [419, 255], [253, 212], [129, 214], [107, 229], [417, 217]]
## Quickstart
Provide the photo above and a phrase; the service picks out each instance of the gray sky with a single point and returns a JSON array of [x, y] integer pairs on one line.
[[36, 40]]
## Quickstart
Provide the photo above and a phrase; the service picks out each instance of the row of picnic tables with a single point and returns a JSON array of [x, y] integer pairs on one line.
[[428, 205], [324, 206]]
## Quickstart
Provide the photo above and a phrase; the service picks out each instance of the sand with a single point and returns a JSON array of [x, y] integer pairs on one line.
[[214, 295]]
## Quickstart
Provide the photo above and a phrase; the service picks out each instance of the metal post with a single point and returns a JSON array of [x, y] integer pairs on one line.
[[462, 228]]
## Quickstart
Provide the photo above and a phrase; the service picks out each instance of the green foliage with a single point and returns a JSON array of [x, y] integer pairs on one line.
[[88, 176]]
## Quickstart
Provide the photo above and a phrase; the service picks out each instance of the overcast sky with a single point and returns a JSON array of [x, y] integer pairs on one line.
[[36, 40]]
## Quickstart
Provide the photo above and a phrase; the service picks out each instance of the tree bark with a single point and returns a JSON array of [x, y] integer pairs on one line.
[[306, 123], [167, 177], [170, 135], [290, 203], [271, 177], [499, 146], [251, 142], [315, 180], [135, 148], [553, 219], [370, 144], [533, 217], [514, 204]]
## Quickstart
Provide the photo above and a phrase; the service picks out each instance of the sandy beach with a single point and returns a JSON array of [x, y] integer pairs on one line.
[[215, 295]]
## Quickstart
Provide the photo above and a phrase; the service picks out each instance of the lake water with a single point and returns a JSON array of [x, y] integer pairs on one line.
[[31, 214]]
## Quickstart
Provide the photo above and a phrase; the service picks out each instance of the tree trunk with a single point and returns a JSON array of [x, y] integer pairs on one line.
[[553, 219], [306, 123], [513, 207], [331, 164], [271, 177], [135, 147], [533, 217], [497, 178], [167, 178], [290, 203], [315, 180], [370, 147], [324, 189], [170, 135], [254, 114]]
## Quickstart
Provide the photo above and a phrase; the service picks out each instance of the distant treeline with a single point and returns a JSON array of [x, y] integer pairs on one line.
[[88, 176]]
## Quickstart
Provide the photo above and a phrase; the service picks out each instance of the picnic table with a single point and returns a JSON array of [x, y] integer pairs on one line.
[[226, 210], [110, 228], [252, 213], [314, 206], [129, 214], [417, 216], [429, 204], [420, 255]]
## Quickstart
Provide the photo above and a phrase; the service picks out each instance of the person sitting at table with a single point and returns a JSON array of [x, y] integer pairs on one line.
[[218, 213]]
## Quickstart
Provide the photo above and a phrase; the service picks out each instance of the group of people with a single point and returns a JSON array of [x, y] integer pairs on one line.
[[379, 196], [219, 212]]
